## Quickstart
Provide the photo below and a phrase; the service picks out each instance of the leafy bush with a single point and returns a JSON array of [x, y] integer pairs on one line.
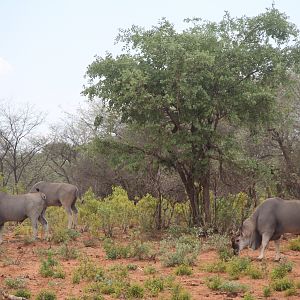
[[186, 251], [131, 267], [24, 293], [51, 268], [236, 266], [267, 291], [154, 286], [135, 291], [248, 296], [142, 250], [178, 293], [146, 212], [282, 284], [281, 270], [46, 295], [15, 283], [149, 270], [254, 272], [294, 244], [115, 251], [183, 270], [216, 267], [217, 283], [67, 252]]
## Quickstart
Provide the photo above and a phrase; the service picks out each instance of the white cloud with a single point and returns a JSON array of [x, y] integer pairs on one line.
[[5, 67]]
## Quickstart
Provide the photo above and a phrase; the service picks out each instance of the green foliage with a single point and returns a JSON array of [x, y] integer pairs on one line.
[[154, 286], [148, 270], [248, 296], [115, 251], [87, 270], [290, 292], [113, 211], [254, 272], [51, 268], [178, 293], [142, 250], [46, 295], [182, 251], [183, 270], [281, 270], [135, 291], [282, 284], [15, 283], [236, 266], [267, 291], [216, 267], [68, 252], [132, 267], [294, 244], [24, 293], [216, 283]]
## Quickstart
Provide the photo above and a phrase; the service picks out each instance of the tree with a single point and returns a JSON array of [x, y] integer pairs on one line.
[[178, 88], [18, 143]]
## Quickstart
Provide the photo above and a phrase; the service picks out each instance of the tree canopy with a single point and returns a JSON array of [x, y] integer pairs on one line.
[[181, 89]]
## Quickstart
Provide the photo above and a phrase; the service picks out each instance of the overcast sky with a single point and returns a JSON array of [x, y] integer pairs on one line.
[[45, 46]]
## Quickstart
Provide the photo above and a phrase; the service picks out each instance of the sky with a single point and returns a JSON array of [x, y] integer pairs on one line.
[[46, 46]]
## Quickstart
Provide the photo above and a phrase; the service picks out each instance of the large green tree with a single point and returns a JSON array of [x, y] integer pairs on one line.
[[179, 88]]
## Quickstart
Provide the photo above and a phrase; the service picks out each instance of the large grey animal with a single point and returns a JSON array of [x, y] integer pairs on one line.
[[269, 222], [60, 194], [20, 207]]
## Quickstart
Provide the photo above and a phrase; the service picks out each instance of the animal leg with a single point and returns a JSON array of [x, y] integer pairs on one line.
[[277, 255], [75, 214], [265, 240], [44, 223], [1, 232], [70, 217], [34, 228]]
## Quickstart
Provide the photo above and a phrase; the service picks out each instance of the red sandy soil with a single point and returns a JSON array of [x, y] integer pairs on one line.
[[18, 258]]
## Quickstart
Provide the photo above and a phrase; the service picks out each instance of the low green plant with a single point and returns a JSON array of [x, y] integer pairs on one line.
[[24, 293], [46, 295], [248, 296], [182, 251], [183, 270], [132, 267], [281, 270], [115, 251], [294, 244], [148, 270], [216, 283], [154, 286], [236, 266], [290, 292], [135, 291], [215, 267], [267, 291], [142, 250], [282, 284], [254, 272], [178, 293], [15, 283], [51, 268], [67, 252]]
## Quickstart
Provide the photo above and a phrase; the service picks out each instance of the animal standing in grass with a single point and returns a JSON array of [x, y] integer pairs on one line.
[[60, 194], [269, 222], [20, 207]]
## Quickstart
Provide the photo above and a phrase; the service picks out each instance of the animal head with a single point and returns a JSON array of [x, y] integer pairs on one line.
[[244, 237]]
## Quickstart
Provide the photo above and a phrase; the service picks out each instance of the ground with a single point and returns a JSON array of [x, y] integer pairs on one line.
[[20, 258]]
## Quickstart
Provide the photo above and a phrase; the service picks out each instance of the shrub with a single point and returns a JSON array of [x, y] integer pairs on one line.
[[24, 293], [115, 251], [15, 283], [131, 267], [236, 266], [267, 291], [154, 286], [281, 270], [67, 252], [282, 284], [142, 250], [183, 270], [186, 251], [51, 268], [294, 244], [146, 212], [254, 272], [216, 267], [248, 296], [290, 292], [46, 295], [135, 291], [178, 293], [148, 270], [217, 283]]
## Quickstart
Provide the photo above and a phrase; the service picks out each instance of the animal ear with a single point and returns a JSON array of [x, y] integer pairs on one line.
[[37, 189]]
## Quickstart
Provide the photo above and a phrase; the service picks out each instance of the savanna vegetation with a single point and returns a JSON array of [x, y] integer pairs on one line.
[[184, 134]]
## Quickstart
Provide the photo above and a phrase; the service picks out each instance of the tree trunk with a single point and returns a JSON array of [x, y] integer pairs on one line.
[[206, 196]]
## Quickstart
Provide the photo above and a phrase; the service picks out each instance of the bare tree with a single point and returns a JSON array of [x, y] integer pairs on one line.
[[18, 141]]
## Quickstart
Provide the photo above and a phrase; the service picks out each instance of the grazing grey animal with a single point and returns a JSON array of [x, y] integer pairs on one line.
[[60, 194], [269, 222], [20, 207]]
